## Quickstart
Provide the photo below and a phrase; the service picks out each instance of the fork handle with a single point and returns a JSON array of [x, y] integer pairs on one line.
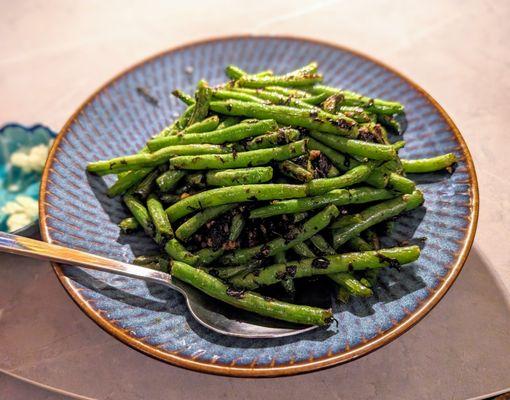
[[23, 246]]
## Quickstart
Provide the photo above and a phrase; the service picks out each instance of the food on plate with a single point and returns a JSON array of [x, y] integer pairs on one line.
[[269, 182]]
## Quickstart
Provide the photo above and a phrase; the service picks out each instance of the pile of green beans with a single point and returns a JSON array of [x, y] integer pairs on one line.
[[267, 179]]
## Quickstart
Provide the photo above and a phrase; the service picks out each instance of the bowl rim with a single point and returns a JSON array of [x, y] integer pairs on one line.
[[289, 369]]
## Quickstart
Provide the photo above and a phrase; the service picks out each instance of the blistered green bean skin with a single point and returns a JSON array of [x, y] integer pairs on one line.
[[319, 120], [202, 98], [189, 227], [328, 265], [356, 175], [360, 148], [178, 252], [352, 225], [263, 96], [169, 179], [353, 285], [250, 301], [127, 181], [302, 249], [234, 194], [297, 80], [145, 187], [159, 219], [184, 97], [208, 124], [230, 134], [239, 176], [295, 171], [128, 225], [279, 138], [354, 99], [433, 164], [159, 157], [313, 225], [338, 197], [239, 160], [140, 213]]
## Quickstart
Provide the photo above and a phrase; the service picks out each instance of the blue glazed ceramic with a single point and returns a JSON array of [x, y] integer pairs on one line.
[[13, 180], [116, 120]]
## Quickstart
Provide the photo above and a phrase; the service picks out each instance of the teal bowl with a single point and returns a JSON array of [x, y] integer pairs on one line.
[[116, 120], [14, 180]]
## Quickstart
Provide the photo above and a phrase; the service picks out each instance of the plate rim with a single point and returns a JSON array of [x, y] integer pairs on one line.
[[289, 369]]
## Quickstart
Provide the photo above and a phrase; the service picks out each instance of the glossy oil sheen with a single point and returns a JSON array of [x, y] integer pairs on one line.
[[117, 120]]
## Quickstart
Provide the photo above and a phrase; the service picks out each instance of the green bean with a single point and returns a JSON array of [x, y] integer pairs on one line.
[[359, 244], [352, 225], [295, 171], [301, 94], [231, 94], [338, 197], [332, 172], [248, 300], [146, 185], [315, 100], [354, 286], [140, 213], [319, 120], [302, 249], [231, 134], [313, 225], [373, 239], [400, 183], [203, 96], [159, 219], [239, 160], [144, 260], [328, 265], [128, 225], [374, 151], [358, 114], [234, 72], [429, 164], [127, 181], [228, 122], [389, 122], [184, 97], [299, 217], [262, 96], [184, 120], [178, 252], [322, 245], [159, 157], [239, 176], [354, 99], [168, 180], [189, 227], [296, 80], [323, 185], [234, 194], [279, 138], [370, 275], [342, 162], [206, 125], [310, 68]]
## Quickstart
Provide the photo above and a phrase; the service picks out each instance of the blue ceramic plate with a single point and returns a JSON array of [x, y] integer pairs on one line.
[[117, 120], [13, 180]]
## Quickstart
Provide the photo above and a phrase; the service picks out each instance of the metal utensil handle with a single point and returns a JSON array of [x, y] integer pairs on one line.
[[46, 251]]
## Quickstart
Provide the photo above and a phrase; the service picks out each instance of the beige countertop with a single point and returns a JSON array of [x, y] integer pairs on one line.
[[55, 53]]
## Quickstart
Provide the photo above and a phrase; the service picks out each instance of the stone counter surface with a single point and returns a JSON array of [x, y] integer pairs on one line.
[[56, 53]]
